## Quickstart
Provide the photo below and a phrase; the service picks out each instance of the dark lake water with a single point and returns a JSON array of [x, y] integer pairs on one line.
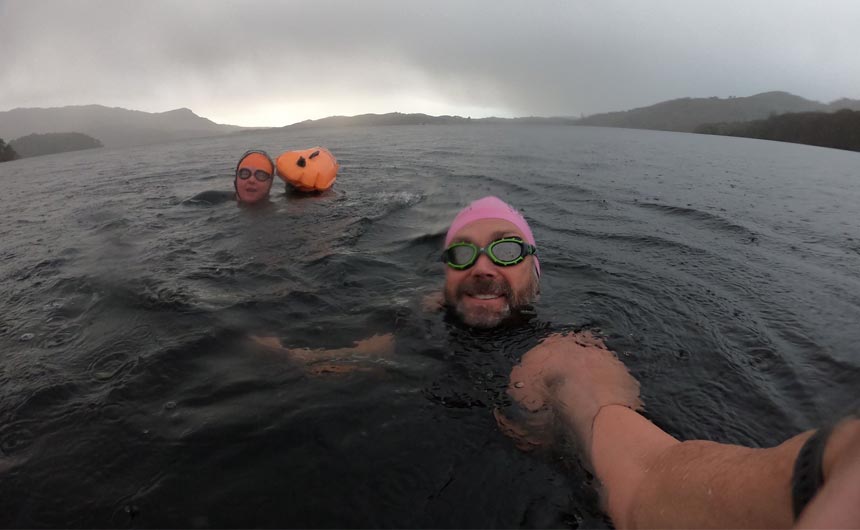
[[725, 272]]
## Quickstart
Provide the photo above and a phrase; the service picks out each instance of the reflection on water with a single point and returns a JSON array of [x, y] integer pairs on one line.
[[724, 272]]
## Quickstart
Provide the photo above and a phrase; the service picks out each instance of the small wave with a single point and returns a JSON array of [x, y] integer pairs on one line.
[[45, 268], [149, 295], [384, 204], [224, 274], [16, 437], [572, 193], [114, 225], [492, 185], [62, 333], [645, 241], [46, 399], [711, 220]]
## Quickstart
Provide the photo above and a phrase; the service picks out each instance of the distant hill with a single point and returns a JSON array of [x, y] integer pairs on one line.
[[844, 103], [117, 127], [682, 115], [840, 129], [398, 118], [114, 127], [50, 143], [391, 118], [686, 114]]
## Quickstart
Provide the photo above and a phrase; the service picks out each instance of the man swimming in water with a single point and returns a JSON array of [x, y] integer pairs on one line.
[[649, 478], [572, 380], [493, 270], [252, 181]]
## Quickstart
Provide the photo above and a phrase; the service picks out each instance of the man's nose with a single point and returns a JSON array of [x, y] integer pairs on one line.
[[484, 267]]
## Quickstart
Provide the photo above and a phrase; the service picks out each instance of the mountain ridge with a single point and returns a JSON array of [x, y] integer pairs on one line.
[[686, 114], [679, 115], [120, 127], [113, 126]]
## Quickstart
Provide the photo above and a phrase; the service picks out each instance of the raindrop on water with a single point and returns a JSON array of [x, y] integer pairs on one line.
[[132, 510]]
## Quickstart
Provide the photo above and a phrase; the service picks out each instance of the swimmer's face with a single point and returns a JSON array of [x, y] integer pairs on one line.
[[251, 190], [485, 294]]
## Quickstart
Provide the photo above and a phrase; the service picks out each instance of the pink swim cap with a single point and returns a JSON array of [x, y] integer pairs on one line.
[[491, 208]]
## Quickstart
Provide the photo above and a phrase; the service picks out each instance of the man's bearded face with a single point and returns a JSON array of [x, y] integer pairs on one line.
[[485, 294]]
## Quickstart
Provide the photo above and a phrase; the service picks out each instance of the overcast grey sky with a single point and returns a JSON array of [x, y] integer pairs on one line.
[[259, 62]]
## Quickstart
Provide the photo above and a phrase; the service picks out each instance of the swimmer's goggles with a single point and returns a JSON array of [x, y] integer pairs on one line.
[[260, 175], [245, 173], [503, 252]]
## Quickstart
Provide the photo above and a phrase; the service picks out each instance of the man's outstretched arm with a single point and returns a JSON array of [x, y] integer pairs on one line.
[[649, 478], [698, 483]]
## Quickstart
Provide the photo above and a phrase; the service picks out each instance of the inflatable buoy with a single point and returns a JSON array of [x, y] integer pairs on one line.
[[313, 169]]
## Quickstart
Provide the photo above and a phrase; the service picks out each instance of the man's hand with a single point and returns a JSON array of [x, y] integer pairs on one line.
[[333, 361], [572, 377]]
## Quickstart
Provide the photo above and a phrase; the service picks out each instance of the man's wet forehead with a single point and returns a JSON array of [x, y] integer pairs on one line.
[[486, 230]]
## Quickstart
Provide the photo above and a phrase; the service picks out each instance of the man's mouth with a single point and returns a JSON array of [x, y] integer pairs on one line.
[[486, 296], [485, 290]]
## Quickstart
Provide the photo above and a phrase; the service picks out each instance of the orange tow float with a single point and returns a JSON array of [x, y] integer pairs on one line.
[[312, 169]]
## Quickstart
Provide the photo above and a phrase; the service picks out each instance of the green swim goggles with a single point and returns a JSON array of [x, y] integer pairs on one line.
[[504, 252]]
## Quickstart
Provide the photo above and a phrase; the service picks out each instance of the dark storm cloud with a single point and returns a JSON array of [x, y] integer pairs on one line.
[[270, 61]]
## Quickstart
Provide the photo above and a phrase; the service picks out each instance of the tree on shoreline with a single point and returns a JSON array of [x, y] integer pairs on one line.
[[6, 152], [839, 130]]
